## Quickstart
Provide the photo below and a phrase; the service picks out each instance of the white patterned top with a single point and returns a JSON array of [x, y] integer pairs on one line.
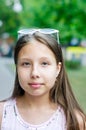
[[12, 120]]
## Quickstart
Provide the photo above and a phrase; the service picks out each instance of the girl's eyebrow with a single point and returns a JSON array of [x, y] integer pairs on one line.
[[41, 58], [23, 59], [31, 58]]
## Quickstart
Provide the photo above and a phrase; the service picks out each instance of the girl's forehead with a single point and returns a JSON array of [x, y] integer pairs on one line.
[[34, 44], [36, 48]]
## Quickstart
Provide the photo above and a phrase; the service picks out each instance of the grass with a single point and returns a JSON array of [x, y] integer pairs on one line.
[[78, 82]]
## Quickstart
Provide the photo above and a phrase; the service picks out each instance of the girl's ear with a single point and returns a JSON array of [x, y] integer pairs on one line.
[[58, 69]]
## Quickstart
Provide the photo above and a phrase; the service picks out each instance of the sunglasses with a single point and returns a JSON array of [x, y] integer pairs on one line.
[[53, 32]]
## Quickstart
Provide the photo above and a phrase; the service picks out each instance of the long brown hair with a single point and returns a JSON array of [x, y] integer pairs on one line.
[[61, 92]]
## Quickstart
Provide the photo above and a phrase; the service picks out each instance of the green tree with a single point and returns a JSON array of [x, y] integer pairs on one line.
[[9, 18], [64, 15]]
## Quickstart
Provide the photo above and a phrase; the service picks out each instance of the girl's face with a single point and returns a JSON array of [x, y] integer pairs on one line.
[[37, 69]]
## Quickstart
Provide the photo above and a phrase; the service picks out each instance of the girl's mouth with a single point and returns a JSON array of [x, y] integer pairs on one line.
[[35, 85]]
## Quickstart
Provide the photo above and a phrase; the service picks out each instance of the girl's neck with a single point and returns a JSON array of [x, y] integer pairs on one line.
[[36, 102]]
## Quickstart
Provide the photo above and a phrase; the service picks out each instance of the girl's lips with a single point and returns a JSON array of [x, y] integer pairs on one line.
[[35, 85]]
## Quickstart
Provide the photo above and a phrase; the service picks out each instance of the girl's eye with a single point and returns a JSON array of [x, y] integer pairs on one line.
[[44, 64], [26, 64]]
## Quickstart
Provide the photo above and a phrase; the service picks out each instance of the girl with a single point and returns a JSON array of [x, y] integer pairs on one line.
[[42, 98]]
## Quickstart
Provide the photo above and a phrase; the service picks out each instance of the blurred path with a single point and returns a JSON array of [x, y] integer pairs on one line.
[[6, 77]]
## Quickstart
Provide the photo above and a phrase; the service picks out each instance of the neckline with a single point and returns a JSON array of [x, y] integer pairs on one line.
[[44, 124]]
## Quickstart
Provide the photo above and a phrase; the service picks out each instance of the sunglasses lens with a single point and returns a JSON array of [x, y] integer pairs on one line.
[[48, 31], [54, 33], [25, 32]]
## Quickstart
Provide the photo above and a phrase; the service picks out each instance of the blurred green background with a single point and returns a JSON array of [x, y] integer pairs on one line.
[[69, 17], [77, 79]]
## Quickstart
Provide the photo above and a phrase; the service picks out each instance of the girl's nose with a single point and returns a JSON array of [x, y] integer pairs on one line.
[[35, 72]]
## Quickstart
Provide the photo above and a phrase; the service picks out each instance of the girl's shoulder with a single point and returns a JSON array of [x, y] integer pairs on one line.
[[2, 106], [1, 109], [81, 118]]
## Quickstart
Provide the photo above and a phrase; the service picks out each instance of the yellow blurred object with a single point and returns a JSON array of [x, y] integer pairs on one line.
[[75, 50]]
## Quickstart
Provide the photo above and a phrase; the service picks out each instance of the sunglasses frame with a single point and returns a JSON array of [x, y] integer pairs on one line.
[[30, 31]]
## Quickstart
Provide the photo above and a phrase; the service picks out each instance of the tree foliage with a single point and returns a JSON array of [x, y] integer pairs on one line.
[[9, 18], [65, 15]]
